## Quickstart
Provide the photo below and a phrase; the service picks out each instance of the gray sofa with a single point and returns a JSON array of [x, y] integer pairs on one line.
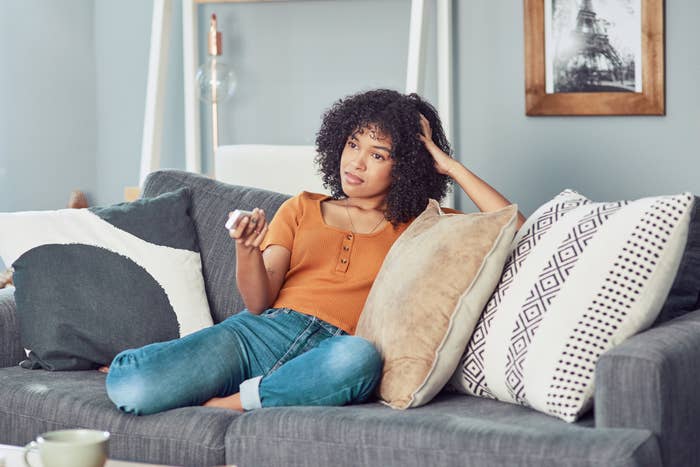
[[647, 409]]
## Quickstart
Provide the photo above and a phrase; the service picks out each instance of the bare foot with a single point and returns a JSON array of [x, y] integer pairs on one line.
[[103, 369], [232, 402], [5, 278], [77, 200]]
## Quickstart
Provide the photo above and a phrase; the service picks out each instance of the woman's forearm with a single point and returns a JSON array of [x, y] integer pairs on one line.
[[484, 196], [252, 280]]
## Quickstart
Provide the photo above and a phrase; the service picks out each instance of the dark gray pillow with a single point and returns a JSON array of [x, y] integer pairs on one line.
[[93, 282], [685, 291]]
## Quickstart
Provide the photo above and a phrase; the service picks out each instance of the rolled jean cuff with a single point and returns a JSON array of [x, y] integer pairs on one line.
[[250, 393]]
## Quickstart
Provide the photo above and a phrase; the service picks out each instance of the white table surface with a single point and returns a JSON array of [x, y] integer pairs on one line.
[[13, 458]]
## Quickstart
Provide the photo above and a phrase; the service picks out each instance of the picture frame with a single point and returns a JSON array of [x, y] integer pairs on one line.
[[616, 87]]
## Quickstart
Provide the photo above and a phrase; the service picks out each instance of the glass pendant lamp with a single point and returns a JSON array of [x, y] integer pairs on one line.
[[215, 79]]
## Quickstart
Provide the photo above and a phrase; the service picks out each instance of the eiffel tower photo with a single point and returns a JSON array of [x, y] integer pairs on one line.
[[589, 62]]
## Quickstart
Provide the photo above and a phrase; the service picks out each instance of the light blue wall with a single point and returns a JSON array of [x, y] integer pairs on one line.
[[286, 76], [48, 136], [530, 159], [293, 60], [122, 43], [122, 35]]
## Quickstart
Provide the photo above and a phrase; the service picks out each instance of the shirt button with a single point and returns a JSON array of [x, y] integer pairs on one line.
[[349, 237], [346, 248], [344, 261]]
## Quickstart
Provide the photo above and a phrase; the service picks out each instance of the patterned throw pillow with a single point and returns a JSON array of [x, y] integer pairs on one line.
[[93, 282], [428, 296], [581, 278]]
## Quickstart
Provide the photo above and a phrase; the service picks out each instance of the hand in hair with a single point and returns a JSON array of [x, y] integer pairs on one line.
[[443, 162]]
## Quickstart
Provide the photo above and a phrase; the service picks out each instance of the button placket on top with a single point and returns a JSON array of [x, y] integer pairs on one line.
[[345, 250]]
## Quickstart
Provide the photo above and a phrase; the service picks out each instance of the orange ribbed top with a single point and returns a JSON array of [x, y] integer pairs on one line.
[[331, 270]]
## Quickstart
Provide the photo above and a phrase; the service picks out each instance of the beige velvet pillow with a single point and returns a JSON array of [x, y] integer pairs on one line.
[[428, 296]]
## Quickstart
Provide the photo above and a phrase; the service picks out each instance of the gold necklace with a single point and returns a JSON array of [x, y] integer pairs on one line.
[[347, 210]]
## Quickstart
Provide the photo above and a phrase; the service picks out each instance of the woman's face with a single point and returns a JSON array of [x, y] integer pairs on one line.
[[365, 164]]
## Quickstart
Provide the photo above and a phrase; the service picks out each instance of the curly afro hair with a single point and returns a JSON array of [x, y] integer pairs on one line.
[[415, 179]]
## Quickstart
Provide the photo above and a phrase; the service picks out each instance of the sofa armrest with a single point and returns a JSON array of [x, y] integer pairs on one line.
[[651, 381], [11, 352]]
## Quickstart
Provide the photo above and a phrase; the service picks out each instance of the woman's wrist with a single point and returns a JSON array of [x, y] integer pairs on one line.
[[243, 250], [452, 168]]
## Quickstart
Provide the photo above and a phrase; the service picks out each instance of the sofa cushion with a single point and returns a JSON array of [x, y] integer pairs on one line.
[[582, 278], [684, 296], [11, 352], [211, 202], [651, 381], [93, 282], [32, 402], [428, 296], [453, 430]]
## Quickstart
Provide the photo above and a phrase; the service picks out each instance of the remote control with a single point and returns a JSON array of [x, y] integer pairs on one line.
[[236, 217]]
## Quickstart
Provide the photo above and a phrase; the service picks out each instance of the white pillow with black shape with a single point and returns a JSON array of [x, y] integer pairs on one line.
[[582, 277], [90, 283]]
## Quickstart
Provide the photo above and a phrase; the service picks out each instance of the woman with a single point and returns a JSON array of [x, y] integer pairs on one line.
[[304, 278]]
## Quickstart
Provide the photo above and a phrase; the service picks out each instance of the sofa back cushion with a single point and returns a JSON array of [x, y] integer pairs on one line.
[[684, 296], [211, 202]]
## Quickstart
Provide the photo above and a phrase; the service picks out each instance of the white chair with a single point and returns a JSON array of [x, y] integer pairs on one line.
[[285, 169]]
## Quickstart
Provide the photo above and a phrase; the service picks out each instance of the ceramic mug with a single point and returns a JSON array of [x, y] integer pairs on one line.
[[70, 448]]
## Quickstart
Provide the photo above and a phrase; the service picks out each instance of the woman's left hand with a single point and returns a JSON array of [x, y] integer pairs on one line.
[[443, 162]]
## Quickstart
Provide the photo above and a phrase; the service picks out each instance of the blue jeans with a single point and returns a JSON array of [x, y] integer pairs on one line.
[[278, 358]]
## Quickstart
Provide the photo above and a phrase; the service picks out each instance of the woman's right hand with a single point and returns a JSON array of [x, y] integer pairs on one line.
[[250, 231]]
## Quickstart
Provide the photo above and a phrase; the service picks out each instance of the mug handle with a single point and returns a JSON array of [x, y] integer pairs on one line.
[[33, 446]]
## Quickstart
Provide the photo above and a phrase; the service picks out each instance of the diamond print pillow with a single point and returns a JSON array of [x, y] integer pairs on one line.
[[582, 277]]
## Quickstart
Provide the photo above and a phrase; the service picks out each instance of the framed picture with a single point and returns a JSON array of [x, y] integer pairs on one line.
[[594, 57]]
